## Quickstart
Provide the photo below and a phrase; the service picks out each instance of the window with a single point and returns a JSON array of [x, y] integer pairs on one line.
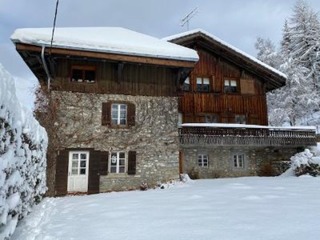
[[203, 160], [238, 161], [230, 86], [85, 74], [241, 119], [186, 85], [119, 114], [203, 84], [211, 118], [79, 162], [118, 162]]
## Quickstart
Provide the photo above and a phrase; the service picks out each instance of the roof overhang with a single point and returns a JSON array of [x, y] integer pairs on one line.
[[31, 54], [272, 77]]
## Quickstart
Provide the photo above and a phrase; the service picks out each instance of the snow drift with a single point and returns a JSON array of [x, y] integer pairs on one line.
[[305, 163], [23, 144]]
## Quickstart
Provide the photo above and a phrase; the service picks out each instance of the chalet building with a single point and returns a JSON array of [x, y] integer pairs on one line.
[[117, 105], [224, 130], [134, 109]]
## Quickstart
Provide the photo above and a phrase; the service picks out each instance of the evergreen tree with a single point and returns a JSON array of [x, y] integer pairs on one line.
[[267, 52], [299, 59]]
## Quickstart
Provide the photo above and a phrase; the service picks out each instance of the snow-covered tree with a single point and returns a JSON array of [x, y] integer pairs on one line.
[[267, 52], [23, 144], [299, 59]]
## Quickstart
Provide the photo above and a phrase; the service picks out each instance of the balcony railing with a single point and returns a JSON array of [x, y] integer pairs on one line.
[[246, 135]]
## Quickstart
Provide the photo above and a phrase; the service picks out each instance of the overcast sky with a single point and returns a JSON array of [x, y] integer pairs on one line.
[[238, 22]]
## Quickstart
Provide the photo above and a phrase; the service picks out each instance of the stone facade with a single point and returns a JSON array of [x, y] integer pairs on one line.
[[154, 137], [221, 160]]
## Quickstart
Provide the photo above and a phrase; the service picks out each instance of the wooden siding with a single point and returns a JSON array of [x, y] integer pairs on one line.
[[111, 77], [249, 100]]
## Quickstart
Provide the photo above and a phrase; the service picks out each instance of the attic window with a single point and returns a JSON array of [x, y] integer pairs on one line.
[[86, 74], [230, 85], [203, 84]]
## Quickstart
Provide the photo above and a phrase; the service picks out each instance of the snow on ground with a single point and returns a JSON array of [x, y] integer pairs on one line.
[[240, 208]]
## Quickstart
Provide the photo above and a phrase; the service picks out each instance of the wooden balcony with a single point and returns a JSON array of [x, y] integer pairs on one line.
[[246, 135]]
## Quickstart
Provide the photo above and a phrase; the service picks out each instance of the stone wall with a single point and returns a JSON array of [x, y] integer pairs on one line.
[[154, 136], [221, 160]]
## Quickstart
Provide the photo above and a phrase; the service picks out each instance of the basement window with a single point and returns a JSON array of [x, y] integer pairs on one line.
[[238, 161], [203, 160], [83, 74]]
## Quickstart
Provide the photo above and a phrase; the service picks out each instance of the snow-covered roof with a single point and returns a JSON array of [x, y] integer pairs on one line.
[[225, 44], [113, 40], [235, 125]]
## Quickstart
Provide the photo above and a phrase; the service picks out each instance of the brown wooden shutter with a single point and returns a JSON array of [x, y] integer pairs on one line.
[[62, 173], [131, 114], [132, 162], [106, 114], [94, 176], [104, 163]]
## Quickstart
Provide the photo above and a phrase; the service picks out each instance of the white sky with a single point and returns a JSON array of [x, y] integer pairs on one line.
[[236, 22]]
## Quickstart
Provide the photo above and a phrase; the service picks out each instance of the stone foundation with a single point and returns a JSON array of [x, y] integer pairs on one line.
[[221, 162]]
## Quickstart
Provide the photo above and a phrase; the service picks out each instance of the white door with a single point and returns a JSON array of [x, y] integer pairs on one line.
[[78, 171]]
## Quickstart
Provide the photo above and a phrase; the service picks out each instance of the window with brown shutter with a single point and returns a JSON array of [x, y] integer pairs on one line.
[[118, 114], [132, 162]]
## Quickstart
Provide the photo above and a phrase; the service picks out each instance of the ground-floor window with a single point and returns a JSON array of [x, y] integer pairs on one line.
[[118, 162], [203, 160], [238, 161]]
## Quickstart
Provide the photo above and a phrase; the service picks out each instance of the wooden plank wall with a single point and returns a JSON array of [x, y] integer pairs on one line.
[[249, 101], [135, 79]]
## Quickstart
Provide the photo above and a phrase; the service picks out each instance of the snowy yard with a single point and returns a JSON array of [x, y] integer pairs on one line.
[[239, 208]]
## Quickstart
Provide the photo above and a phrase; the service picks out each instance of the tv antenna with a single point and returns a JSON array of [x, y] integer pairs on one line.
[[188, 17]]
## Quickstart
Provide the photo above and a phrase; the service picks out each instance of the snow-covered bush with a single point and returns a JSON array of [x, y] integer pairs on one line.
[[23, 144], [304, 163]]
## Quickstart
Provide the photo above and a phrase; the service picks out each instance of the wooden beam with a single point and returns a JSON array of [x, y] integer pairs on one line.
[[108, 56]]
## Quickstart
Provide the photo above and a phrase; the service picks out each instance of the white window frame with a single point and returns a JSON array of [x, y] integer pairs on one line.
[[82, 161], [115, 159], [118, 114], [238, 161], [203, 160], [230, 85], [203, 84]]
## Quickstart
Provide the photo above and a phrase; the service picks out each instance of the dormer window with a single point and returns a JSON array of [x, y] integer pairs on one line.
[[230, 85], [203, 84], [85, 74]]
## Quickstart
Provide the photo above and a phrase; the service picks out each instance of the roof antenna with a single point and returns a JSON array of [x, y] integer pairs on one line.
[[187, 18], [54, 24]]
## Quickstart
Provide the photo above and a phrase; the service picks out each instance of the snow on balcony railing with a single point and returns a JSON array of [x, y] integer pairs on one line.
[[240, 134]]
